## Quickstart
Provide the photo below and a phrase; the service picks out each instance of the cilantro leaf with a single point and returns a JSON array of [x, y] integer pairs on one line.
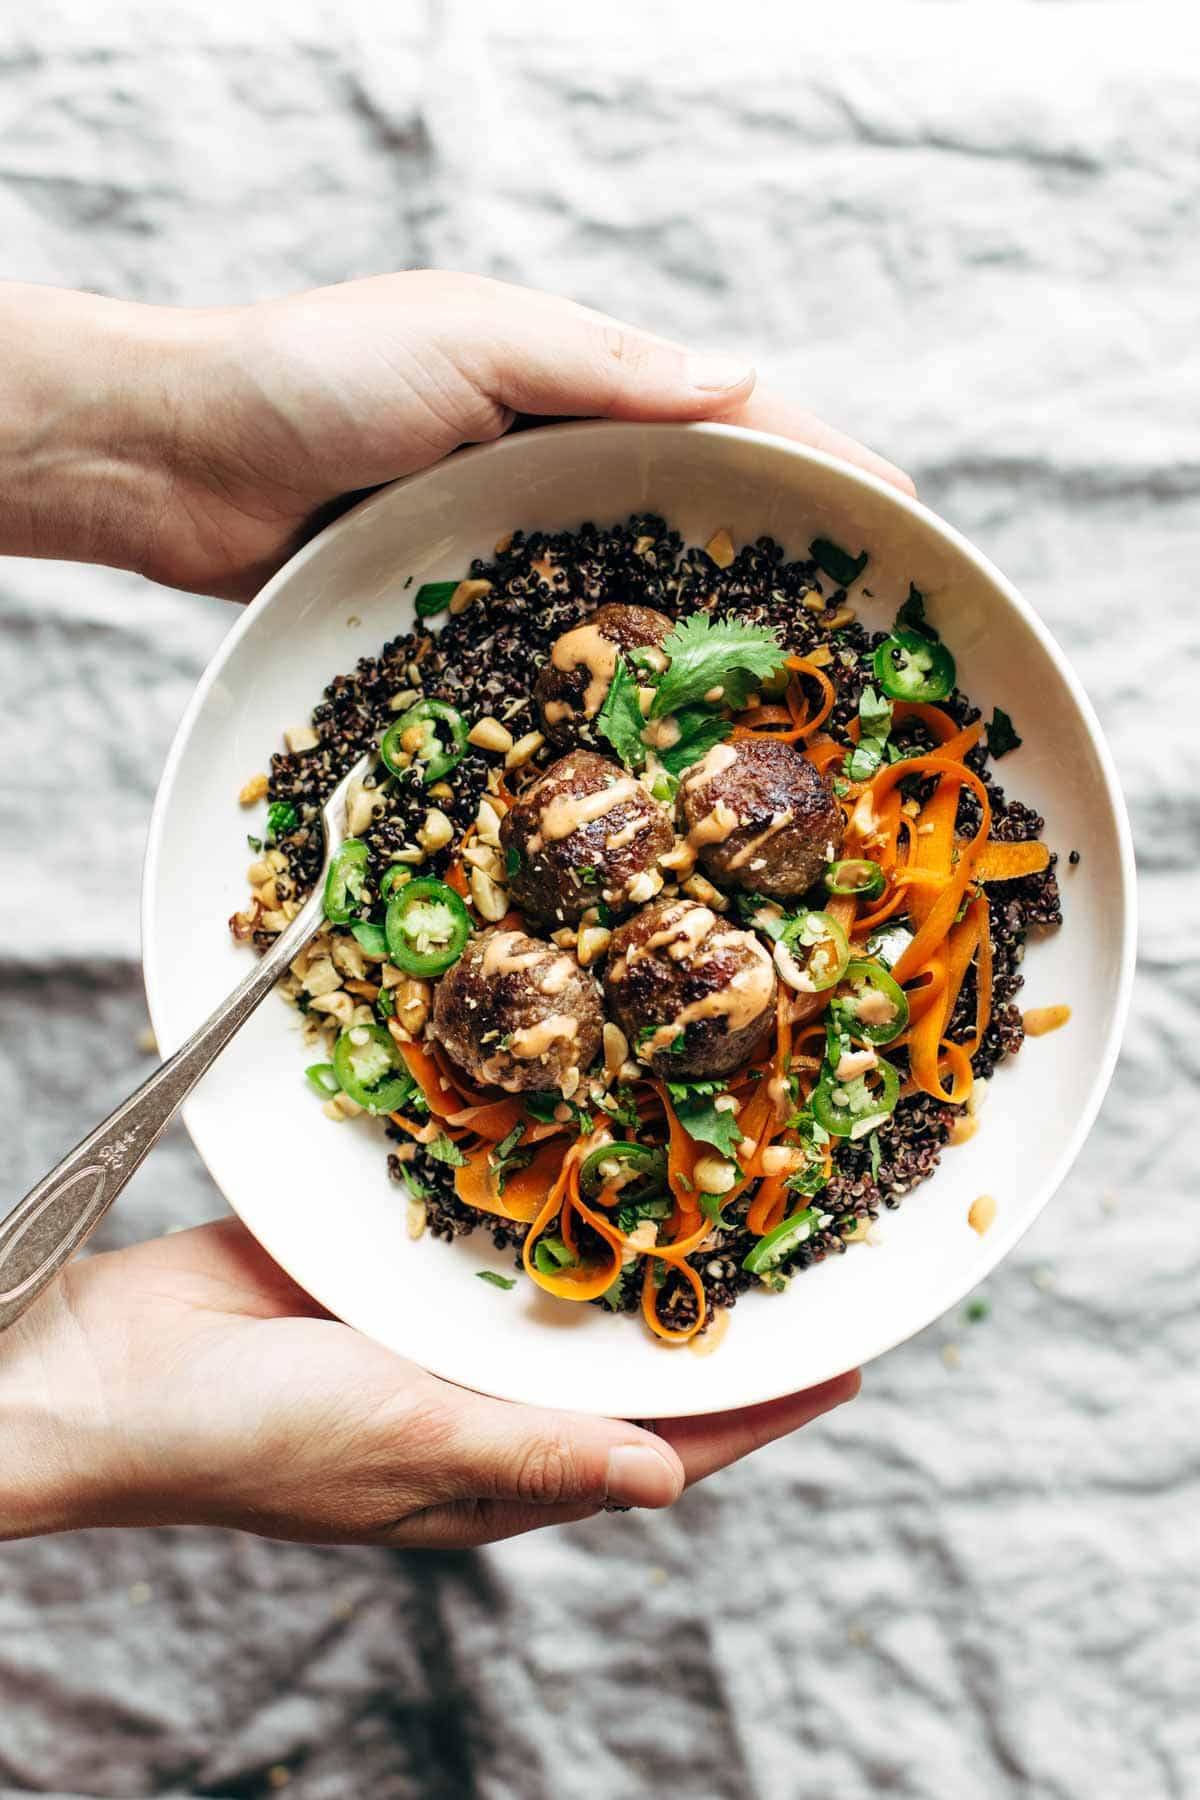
[[711, 1204], [614, 1294], [715, 653], [837, 562], [701, 1119], [548, 1107], [911, 616], [445, 1150], [683, 1091], [699, 730], [1002, 734], [629, 1217], [620, 718], [500, 1281], [875, 720]]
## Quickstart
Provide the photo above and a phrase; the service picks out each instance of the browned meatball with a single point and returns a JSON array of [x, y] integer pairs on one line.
[[693, 994], [573, 685], [760, 817], [516, 1013], [584, 832]]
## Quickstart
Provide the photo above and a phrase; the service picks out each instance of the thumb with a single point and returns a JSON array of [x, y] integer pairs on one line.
[[530, 352], [499, 1451]]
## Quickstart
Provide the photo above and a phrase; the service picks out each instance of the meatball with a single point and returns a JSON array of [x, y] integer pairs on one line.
[[761, 817], [516, 1013], [678, 968], [583, 833], [573, 685]]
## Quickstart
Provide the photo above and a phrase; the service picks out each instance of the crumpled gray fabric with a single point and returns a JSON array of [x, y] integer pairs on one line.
[[971, 237]]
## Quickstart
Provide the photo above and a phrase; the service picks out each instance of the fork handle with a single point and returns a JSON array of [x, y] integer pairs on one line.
[[45, 1229]]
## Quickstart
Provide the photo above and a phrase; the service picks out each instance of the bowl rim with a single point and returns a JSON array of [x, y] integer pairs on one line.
[[1001, 1240]]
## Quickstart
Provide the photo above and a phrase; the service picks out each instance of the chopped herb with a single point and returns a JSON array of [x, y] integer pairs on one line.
[[875, 720], [837, 562], [1001, 734], [699, 730], [841, 786], [512, 861], [615, 1293], [551, 1255], [707, 654], [711, 1204], [433, 597], [587, 874], [282, 817], [660, 1273], [620, 718], [506, 1158], [548, 1107], [629, 1217], [700, 1118], [255, 844], [500, 1281], [445, 1150], [416, 1190], [625, 1111], [977, 1309], [911, 616], [385, 1004]]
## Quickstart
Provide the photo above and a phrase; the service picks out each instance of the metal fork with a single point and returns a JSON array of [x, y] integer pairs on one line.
[[45, 1229]]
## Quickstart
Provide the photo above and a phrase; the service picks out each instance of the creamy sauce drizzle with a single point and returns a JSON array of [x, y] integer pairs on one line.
[[714, 827], [778, 821], [502, 958], [713, 763], [567, 812], [556, 977], [587, 648], [662, 734], [627, 833], [536, 1040], [685, 930], [739, 1002]]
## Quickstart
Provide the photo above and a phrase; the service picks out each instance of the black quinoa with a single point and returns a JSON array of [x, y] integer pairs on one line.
[[486, 659]]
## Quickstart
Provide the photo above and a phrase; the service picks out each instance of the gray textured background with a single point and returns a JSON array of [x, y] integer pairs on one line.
[[973, 238]]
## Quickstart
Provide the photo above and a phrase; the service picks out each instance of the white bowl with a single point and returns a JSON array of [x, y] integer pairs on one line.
[[318, 1195]]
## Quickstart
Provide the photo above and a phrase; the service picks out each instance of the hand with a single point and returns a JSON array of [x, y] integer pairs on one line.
[[202, 446], [189, 1380]]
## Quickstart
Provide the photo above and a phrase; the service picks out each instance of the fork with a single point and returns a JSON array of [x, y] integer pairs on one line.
[[57, 1216]]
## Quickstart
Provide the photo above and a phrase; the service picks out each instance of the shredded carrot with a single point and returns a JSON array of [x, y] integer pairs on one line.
[[1007, 862], [525, 1189], [440, 1097]]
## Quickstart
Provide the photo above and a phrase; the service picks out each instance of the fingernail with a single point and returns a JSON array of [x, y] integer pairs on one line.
[[639, 1476], [715, 371]]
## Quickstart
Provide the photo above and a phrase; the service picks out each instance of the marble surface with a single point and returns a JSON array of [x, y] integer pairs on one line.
[[971, 236]]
